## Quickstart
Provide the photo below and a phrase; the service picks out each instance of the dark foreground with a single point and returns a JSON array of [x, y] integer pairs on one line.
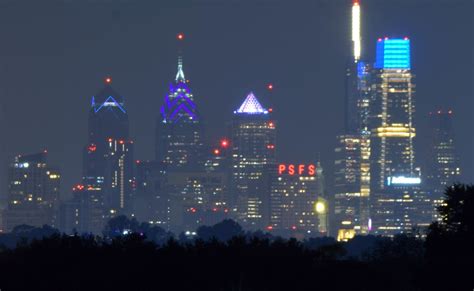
[[131, 263], [442, 261]]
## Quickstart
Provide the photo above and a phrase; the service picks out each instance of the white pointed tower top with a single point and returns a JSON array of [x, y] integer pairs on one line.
[[251, 106], [180, 74]]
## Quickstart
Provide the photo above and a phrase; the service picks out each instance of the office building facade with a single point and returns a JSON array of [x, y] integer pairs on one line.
[[253, 157], [33, 192]]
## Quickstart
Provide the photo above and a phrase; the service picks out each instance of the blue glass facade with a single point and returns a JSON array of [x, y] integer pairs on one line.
[[393, 54]]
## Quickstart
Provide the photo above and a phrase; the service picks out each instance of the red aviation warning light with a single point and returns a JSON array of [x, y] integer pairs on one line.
[[108, 80], [180, 36], [270, 87], [217, 152], [92, 147], [224, 143], [78, 187]]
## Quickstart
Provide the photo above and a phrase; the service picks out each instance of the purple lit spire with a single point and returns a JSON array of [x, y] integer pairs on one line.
[[179, 103]]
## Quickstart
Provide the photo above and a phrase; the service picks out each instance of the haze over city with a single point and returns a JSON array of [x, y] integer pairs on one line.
[[236, 145], [56, 55]]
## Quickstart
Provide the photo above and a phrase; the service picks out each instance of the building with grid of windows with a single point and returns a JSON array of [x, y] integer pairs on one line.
[[298, 207], [253, 157], [33, 192]]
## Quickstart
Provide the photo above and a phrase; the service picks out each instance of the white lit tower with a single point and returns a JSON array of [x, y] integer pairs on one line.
[[352, 153], [253, 157]]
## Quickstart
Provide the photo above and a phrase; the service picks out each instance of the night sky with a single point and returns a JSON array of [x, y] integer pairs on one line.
[[55, 54]]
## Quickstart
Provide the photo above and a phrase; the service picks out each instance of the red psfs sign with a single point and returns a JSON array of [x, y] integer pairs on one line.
[[301, 169]]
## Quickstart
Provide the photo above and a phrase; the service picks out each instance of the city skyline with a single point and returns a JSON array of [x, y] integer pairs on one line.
[[293, 146]]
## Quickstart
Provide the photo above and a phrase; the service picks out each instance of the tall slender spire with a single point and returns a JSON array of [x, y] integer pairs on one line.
[[180, 74], [356, 38]]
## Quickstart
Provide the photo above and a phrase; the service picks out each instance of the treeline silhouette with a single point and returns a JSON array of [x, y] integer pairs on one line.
[[138, 256]]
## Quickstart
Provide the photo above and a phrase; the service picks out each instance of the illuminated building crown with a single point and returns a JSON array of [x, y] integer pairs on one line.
[[179, 103], [251, 106], [108, 99]]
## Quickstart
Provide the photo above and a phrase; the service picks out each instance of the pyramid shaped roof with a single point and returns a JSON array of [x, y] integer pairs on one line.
[[251, 106]]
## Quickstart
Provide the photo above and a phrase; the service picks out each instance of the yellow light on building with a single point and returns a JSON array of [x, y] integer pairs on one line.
[[395, 131], [345, 234], [320, 207]]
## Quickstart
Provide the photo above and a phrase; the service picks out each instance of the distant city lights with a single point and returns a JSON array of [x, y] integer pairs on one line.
[[402, 180]]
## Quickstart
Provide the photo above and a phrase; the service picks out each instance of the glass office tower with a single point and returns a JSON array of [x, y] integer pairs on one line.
[[253, 156]]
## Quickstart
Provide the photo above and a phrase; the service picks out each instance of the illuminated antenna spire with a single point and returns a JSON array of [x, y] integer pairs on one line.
[[180, 74], [356, 39]]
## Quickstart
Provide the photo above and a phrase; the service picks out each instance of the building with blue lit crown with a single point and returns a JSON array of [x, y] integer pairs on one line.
[[397, 197], [180, 153], [179, 137], [253, 157], [107, 161]]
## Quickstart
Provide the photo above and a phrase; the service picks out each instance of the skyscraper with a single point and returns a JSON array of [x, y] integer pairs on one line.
[[108, 157], [180, 152], [395, 179], [179, 142], [393, 107], [352, 186], [151, 203], [84, 213], [297, 202], [356, 85], [118, 176], [253, 157], [352, 166], [33, 192], [443, 165]]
